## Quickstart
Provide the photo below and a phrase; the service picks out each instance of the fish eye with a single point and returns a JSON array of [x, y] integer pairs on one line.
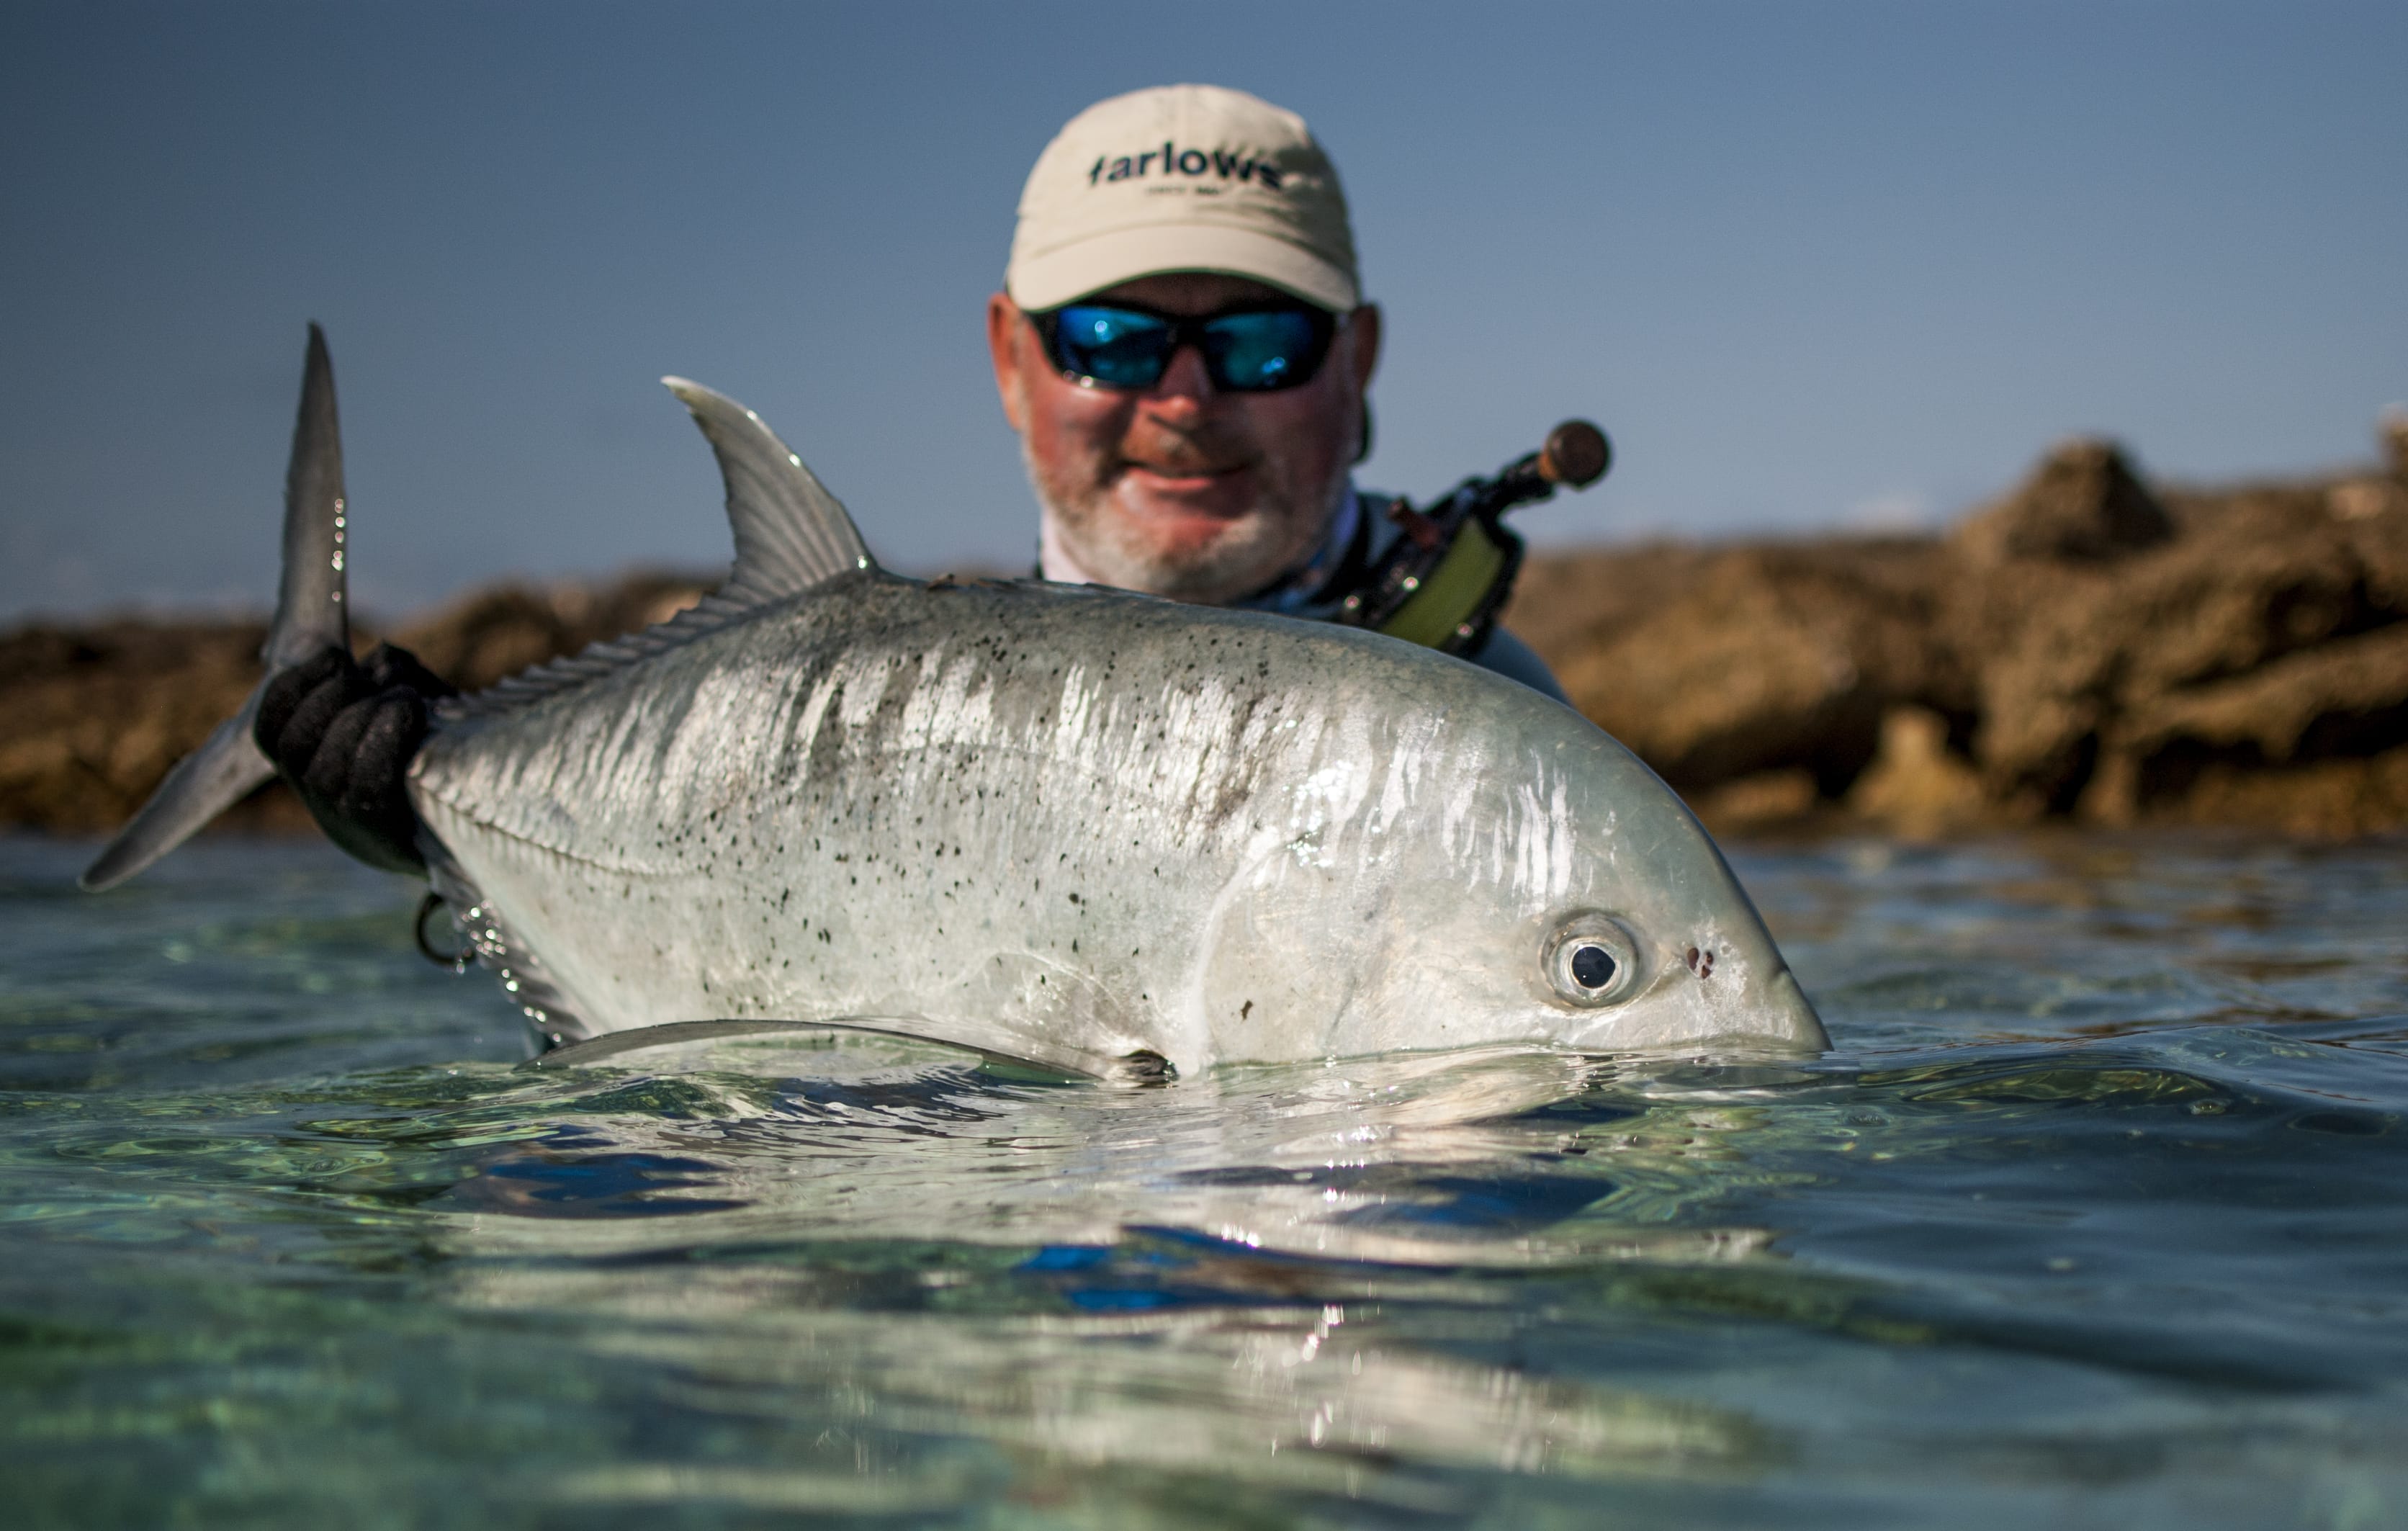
[[1590, 959], [1592, 965]]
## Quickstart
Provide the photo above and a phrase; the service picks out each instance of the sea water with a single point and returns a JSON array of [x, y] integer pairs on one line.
[[2097, 1216]]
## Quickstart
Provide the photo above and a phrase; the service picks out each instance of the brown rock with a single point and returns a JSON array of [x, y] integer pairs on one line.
[[502, 629], [1732, 681], [2333, 798], [99, 714], [2083, 503], [1722, 665], [2356, 499], [2348, 696], [1751, 804], [2174, 752], [2065, 654], [1916, 785], [2087, 647]]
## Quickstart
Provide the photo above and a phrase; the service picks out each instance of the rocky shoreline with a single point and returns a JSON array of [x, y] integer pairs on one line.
[[2091, 649], [100, 712]]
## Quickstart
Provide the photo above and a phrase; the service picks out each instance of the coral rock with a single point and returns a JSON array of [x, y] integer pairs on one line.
[[1918, 786], [2083, 504]]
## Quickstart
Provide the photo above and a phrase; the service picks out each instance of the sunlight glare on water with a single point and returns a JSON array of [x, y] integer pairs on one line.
[[2094, 1217]]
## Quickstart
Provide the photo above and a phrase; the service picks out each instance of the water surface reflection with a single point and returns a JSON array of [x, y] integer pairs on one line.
[[2095, 1217]]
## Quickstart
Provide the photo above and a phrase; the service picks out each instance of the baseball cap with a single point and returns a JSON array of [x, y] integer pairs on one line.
[[1182, 177]]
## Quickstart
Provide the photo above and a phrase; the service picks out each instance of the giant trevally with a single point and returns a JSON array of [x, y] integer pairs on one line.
[[1072, 825]]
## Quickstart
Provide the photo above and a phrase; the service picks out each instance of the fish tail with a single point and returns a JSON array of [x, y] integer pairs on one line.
[[310, 616]]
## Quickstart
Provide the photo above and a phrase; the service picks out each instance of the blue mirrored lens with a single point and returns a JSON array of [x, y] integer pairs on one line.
[[1252, 351], [1116, 347], [1275, 348]]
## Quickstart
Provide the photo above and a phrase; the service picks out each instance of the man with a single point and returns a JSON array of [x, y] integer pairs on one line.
[[1182, 346], [1205, 460]]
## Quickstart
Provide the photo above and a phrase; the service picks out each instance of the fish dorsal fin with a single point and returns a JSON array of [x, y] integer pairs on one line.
[[791, 533], [791, 536]]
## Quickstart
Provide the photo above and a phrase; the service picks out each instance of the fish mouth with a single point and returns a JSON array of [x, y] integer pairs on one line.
[[1777, 1018], [1801, 1027]]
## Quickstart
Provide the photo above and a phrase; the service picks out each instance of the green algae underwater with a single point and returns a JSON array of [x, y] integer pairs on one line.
[[2097, 1216]]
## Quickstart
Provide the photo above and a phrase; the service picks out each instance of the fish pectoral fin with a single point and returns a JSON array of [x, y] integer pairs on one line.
[[1134, 1070], [791, 533]]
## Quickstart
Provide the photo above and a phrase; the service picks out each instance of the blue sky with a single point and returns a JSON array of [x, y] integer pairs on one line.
[[1812, 265]]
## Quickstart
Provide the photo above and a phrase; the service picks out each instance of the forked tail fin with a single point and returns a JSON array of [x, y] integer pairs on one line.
[[309, 616]]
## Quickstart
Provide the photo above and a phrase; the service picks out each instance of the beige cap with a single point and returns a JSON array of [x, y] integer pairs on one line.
[[1182, 177]]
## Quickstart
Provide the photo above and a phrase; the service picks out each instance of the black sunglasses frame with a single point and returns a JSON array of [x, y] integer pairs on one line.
[[1188, 330]]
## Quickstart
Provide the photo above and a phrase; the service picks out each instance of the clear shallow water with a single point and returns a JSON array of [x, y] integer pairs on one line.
[[2098, 1217]]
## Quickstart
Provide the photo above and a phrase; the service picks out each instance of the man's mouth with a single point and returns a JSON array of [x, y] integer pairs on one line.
[[1177, 478], [1183, 478]]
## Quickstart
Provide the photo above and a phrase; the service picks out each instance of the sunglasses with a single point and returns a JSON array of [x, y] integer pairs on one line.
[[1245, 351]]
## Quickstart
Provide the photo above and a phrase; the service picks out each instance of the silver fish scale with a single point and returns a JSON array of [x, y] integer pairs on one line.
[[1063, 824]]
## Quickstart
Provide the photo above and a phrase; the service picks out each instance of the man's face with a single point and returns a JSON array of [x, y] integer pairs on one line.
[[1182, 489]]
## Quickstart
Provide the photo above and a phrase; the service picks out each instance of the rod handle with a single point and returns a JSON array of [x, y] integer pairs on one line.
[[1577, 453]]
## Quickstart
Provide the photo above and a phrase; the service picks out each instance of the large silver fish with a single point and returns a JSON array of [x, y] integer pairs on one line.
[[1065, 825]]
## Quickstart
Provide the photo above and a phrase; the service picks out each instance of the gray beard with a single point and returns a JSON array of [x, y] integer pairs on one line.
[[1246, 560]]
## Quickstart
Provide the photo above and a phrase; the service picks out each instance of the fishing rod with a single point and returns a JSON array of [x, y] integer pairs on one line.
[[1442, 583]]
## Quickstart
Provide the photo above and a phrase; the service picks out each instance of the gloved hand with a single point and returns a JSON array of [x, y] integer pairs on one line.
[[342, 732]]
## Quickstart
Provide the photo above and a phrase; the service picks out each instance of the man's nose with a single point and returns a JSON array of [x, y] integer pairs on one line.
[[1186, 377]]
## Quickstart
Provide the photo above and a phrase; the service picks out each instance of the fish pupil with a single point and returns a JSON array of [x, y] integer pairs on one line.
[[1592, 967]]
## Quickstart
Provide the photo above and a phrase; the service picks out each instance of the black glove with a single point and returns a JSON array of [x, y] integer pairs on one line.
[[342, 732]]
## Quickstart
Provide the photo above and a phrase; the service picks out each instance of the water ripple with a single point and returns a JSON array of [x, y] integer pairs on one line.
[[2093, 1217]]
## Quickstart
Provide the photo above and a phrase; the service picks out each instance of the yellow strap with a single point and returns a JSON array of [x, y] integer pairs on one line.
[[1453, 591]]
